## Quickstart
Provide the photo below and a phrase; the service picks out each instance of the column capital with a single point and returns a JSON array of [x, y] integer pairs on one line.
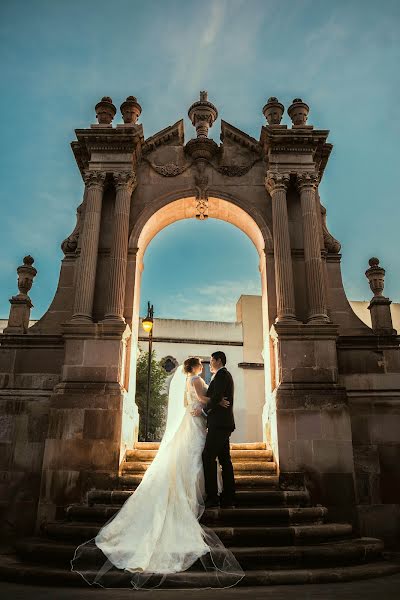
[[94, 179], [125, 180], [275, 181], [306, 179]]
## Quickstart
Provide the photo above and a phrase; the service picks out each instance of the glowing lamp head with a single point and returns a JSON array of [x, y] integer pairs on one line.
[[147, 324]]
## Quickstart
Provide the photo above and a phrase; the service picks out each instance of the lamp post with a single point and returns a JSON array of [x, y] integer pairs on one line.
[[147, 324]]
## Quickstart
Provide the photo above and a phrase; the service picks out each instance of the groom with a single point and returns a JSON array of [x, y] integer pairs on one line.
[[220, 424]]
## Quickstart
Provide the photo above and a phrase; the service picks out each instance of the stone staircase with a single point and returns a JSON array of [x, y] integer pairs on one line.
[[275, 534]]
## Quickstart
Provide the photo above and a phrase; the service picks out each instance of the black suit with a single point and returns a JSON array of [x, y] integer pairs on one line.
[[220, 424]]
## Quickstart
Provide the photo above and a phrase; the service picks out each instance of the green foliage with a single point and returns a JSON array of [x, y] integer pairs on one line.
[[158, 397]]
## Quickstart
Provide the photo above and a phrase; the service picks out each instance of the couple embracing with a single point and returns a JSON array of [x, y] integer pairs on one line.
[[156, 537]]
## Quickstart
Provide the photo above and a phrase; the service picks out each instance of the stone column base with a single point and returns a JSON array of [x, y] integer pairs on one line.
[[82, 449]]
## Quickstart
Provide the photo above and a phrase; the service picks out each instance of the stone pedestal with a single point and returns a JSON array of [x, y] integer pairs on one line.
[[312, 418], [18, 321], [93, 419], [381, 317]]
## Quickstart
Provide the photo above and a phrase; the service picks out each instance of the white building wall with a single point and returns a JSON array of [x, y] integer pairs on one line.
[[181, 339]]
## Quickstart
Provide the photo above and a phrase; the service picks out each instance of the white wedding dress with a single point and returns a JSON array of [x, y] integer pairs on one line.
[[157, 533]]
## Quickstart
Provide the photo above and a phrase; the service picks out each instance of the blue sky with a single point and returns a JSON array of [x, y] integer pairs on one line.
[[58, 58]]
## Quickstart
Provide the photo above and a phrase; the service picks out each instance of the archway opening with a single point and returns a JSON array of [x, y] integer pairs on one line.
[[245, 339]]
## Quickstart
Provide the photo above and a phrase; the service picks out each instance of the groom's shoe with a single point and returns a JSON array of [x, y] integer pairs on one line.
[[210, 503]]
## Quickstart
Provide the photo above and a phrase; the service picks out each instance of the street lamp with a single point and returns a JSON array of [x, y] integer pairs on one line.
[[147, 324]]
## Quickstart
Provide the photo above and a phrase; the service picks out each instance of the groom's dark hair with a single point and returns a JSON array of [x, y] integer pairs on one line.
[[219, 356]]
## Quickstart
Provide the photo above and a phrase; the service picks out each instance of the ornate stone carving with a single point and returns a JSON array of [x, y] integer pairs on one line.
[[94, 179], [331, 244], [70, 243], [298, 112], [125, 180], [202, 115], [105, 111], [169, 169], [376, 276], [273, 111], [26, 273], [235, 170], [307, 179], [201, 148], [276, 181], [201, 185], [18, 320], [130, 110]]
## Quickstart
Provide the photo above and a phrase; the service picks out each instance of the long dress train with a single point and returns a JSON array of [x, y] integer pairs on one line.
[[156, 534]]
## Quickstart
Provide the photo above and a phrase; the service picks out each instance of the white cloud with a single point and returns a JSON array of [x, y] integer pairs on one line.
[[213, 302]]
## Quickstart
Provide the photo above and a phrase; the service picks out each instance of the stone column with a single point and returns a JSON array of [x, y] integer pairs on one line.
[[90, 239], [276, 184], [317, 307], [125, 182]]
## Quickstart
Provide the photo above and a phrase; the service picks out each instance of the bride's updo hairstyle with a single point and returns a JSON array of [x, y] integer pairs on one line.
[[190, 363]]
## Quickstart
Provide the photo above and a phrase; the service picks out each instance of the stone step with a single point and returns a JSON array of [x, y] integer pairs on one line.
[[14, 569], [234, 446], [357, 550], [234, 516], [240, 480], [231, 536], [249, 497], [249, 467], [237, 455]]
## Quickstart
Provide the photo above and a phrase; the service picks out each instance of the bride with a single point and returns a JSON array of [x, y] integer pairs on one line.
[[157, 533]]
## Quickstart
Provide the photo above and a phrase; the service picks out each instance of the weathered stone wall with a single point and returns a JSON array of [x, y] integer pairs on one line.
[[29, 369]]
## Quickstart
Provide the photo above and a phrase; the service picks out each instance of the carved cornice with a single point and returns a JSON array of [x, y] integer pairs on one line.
[[94, 179], [125, 180], [109, 141], [276, 141], [164, 136], [276, 181], [238, 136], [307, 180]]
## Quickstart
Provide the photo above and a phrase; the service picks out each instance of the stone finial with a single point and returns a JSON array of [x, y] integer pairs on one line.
[[376, 276], [130, 110], [26, 273], [298, 112], [202, 115], [379, 306], [273, 111], [105, 111], [18, 321]]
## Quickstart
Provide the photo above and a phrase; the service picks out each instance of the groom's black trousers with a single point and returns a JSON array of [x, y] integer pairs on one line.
[[217, 446]]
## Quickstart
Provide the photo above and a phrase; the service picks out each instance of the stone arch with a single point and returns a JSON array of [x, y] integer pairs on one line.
[[164, 212]]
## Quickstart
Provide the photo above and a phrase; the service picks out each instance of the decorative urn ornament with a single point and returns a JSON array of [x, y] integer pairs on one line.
[[273, 111], [105, 111], [130, 110], [298, 112]]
